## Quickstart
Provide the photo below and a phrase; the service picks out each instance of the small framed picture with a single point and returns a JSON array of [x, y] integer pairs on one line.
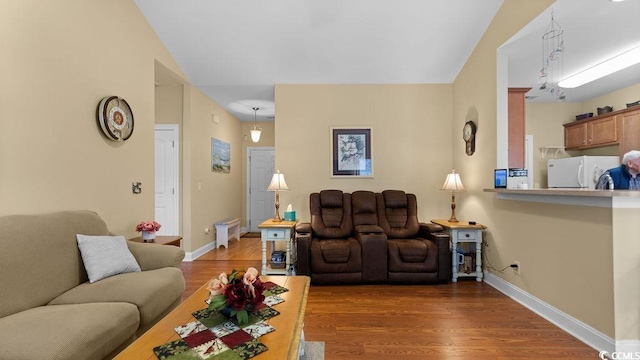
[[351, 152]]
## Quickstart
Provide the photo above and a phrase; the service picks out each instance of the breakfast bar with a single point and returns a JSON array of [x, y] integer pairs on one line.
[[624, 247]]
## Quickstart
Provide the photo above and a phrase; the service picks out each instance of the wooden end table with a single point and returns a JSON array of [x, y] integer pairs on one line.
[[463, 232], [273, 231], [161, 240]]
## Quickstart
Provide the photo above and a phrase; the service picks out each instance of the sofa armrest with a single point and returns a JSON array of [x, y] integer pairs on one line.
[[155, 256], [303, 243]]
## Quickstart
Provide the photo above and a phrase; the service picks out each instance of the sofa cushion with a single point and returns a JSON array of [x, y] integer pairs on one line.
[[153, 292], [105, 256], [62, 332], [40, 252]]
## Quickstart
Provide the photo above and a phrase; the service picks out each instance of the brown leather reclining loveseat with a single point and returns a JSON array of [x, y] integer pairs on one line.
[[367, 237]]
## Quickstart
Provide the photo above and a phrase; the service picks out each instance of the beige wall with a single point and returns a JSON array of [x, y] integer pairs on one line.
[[58, 61], [207, 197], [617, 99], [565, 251], [544, 121], [411, 145]]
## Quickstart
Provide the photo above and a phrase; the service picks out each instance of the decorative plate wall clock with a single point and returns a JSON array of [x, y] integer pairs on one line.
[[469, 136], [115, 118]]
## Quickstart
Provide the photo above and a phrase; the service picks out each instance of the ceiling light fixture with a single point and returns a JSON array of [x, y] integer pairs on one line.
[[255, 131], [616, 63]]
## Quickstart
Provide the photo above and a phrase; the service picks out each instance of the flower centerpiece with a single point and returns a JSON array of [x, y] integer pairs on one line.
[[236, 294], [148, 229]]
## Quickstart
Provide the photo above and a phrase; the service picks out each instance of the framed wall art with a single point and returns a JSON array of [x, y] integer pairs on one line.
[[351, 152], [220, 156]]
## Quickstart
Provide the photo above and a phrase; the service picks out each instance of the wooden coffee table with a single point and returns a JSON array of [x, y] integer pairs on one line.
[[283, 343]]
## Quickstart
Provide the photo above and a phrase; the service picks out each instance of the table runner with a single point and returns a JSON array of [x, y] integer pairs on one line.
[[214, 336]]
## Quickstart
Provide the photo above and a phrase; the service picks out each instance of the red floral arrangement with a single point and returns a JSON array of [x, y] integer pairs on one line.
[[148, 226], [236, 294]]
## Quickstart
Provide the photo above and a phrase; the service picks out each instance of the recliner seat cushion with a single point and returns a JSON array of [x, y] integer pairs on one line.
[[63, 332], [335, 251], [412, 255], [410, 250], [335, 256]]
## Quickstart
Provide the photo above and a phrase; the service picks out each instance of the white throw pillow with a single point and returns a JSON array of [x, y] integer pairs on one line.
[[105, 256]]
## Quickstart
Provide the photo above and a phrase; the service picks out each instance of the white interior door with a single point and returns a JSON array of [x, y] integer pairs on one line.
[[166, 178], [261, 203]]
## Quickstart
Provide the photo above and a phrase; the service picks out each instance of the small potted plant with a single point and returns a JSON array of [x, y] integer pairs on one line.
[[148, 230]]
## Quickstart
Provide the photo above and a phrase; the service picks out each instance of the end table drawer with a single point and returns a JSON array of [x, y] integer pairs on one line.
[[275, 234], [466, 235]]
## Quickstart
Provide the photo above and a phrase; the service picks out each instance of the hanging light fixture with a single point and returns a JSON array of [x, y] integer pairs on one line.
[[552, 51], [255, 131]]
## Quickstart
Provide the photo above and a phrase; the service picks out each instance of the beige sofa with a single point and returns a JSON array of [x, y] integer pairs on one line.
[[48, 309]]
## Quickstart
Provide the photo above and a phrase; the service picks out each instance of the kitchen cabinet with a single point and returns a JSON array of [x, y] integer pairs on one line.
[[595, 132], [629, 125], [516, 113]]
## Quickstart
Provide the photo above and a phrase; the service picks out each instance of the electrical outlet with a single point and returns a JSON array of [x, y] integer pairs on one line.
[[517, 269]]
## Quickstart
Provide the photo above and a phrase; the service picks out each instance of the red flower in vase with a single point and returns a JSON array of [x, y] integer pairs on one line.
[[237, 293]]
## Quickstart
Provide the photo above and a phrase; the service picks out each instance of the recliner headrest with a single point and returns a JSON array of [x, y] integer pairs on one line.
[[395, 199], [331, 198]]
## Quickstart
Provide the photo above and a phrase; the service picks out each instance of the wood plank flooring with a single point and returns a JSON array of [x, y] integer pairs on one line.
[[466, 320]]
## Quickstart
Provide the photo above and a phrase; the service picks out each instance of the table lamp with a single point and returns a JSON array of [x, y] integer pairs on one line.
[[453, 184], [277, 184]]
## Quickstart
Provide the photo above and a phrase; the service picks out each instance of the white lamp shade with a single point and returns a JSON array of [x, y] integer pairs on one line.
[[453, 182], [255, 134], [277, 182]]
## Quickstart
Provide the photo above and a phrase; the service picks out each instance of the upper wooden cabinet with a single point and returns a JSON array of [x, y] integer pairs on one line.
[[516, 126], [620, 127], [629, 125]]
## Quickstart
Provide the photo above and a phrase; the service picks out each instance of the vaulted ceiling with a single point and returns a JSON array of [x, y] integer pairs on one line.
[[235, 51]]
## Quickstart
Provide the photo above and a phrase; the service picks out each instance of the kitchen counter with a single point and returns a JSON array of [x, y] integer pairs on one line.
[[581, 197]]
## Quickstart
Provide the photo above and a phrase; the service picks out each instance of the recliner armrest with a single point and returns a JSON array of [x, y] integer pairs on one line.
[[304, 227], [430, 228], [369, 229], [303, 244]]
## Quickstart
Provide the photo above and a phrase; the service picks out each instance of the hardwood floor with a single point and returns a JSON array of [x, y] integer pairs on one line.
[[467, 320]]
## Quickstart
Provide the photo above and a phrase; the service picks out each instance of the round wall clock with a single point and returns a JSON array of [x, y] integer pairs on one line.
[[469, 136], [115, 118]]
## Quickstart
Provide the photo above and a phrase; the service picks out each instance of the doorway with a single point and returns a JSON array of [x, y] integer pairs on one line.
[[261, 163], [166, 179]]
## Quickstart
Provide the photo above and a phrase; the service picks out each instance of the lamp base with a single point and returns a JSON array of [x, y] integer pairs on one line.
[[453, 208], [277, 217]]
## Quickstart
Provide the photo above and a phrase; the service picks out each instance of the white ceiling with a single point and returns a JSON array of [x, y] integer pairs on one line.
[[594, 31], [235, 51]]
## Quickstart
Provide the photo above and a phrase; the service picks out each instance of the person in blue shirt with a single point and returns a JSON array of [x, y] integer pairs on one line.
[[626, 175]]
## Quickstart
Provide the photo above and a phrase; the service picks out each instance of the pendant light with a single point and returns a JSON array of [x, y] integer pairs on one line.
[[255, 131]]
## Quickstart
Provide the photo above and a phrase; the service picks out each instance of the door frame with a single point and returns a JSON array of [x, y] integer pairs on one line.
[[251, 149], [176, 169]]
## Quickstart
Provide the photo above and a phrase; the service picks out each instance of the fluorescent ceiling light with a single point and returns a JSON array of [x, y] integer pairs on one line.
[[605, 68]]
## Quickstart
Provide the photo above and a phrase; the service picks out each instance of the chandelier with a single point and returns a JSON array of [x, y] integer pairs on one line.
[[552, 56]]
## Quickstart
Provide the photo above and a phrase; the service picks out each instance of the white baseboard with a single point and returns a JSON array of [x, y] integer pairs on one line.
[[190, 256], [573, 326]]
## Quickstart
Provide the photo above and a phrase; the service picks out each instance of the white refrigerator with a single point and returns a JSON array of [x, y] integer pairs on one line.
[[579, 171]]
